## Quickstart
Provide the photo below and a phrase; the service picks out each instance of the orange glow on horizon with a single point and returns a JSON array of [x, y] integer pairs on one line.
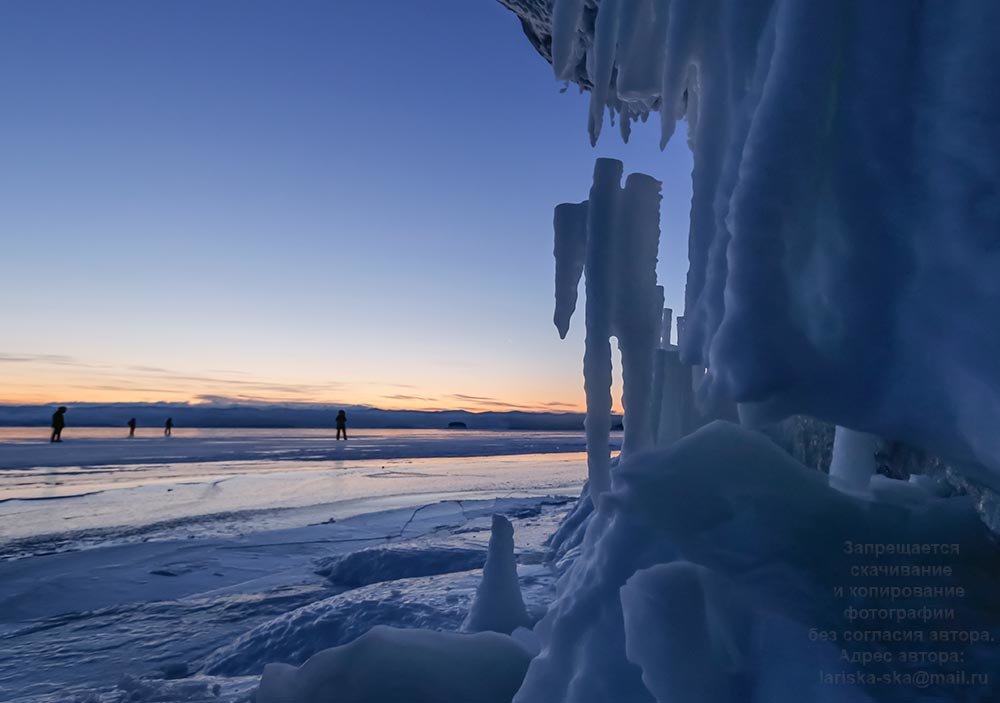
[[22, 386]]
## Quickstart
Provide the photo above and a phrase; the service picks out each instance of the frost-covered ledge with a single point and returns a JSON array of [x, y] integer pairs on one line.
[[843, 248]]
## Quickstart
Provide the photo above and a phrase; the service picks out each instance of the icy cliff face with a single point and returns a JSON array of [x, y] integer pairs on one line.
[[844, 246]]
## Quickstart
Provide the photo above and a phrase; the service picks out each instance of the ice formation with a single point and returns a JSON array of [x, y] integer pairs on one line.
[[843, 240], [386, 665], [613, 238], [730, 552], [853, 463], [843, 265], [498, 605]]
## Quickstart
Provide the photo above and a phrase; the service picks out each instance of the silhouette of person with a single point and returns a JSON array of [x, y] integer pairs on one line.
[[168, 428], [58, 422], [131, 427], [342, 424]]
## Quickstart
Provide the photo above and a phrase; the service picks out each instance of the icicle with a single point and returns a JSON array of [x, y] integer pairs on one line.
[[675, 409], [602, 219], [565, 26], [680, 34], [601, 68], [853, 463], [570, 224], [613, 237], [626, 127], [637, 310], [659, 371], [666, 327], [641, 37]]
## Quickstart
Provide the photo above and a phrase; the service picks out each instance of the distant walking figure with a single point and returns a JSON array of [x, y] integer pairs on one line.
[[58, 422], [131, 427], [168, 428], [342, 424]]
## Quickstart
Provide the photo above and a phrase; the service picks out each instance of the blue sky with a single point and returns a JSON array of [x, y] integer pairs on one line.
[[337, 201]]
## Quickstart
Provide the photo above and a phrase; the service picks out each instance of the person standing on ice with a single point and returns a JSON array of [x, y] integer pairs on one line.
[[58, 423], [131, 427], [168, 429], [342, 424]]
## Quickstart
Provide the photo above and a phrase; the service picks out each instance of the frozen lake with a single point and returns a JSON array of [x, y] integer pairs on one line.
[[28, 447], [139, 558], [98, 486]]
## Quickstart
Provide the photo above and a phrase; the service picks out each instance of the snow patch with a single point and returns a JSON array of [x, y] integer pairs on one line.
[[434, 602], [386, 665]]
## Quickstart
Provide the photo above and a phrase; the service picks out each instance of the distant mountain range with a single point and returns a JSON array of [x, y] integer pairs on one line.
[[292, 416]]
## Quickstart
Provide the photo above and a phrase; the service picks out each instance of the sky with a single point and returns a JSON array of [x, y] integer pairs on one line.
[[311, 201]]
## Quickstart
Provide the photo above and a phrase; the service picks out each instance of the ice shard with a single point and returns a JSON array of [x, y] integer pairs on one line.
[[570, 223]]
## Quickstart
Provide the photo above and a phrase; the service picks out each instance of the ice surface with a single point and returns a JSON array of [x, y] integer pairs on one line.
[[498, 605], [387, 665], [157, 608], [93, 446], [57, 509]]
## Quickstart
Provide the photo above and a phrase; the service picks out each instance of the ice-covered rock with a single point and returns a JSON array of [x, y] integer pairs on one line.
[[846, 194], [387, 665], [498, 605]]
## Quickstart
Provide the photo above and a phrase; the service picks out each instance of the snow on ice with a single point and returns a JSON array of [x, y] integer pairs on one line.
[[386, 665]]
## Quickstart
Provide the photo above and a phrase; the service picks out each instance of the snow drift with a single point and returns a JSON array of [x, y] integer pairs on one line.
[[386, 665]]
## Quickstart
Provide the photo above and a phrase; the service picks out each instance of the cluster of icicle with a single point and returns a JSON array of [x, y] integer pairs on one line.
[[614, 237], [846, 199]]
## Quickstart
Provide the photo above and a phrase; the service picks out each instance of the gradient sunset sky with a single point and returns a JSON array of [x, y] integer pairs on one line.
[[331, 201]]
